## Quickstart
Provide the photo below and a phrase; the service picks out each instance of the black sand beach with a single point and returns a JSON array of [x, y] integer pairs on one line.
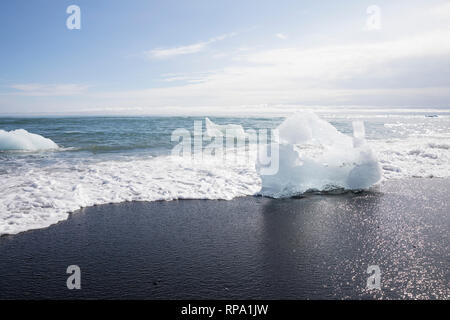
[[315, 247]]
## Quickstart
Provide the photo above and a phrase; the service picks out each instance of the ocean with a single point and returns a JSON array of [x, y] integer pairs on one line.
[[86, 161]]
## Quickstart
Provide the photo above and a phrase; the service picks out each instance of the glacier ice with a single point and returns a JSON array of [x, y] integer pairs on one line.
[[24, 140], [314, 155], [213, 129]]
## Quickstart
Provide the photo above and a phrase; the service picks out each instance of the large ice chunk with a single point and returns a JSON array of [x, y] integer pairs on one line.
[[314, 155]]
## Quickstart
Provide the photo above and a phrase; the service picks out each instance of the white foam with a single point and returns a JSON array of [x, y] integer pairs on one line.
[[35, 197], [313, 155], [24, 140], [419, 157], [420, 149]]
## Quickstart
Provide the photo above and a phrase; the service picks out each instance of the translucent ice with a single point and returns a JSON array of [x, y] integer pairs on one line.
[[314, 155], [23, 140]]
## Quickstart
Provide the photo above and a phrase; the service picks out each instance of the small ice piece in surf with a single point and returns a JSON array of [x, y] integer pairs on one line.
[[314, 155], [214, 130], [359, 133], [23, 140]]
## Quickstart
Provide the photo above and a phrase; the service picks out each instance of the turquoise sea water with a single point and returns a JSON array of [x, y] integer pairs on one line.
[[97, 135], [115, 159]]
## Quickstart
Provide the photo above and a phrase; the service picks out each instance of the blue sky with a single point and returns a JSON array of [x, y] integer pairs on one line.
[[157, 57]]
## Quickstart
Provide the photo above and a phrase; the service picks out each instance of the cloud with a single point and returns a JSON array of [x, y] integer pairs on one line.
[[192, 77], [352, 73], [384, 73], [168, 53], [187, 49], [37, 89], [407, 63], [404, 65], [441, 11]]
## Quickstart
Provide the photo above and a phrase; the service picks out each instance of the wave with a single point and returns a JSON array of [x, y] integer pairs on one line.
[[417, 157], [41, 196], [314, 155], [23, 140]]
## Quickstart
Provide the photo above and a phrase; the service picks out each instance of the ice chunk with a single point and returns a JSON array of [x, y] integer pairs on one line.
[[24, 140], [308, 128], [213, 129], [314, 155], [359, 133]]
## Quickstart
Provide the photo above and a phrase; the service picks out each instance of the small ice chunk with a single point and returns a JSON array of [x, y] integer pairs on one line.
[[24, 140], [214, 130]]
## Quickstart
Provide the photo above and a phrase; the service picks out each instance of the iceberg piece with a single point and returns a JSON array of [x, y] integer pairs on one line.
[[24, 140], [314, 155], [213, 129]]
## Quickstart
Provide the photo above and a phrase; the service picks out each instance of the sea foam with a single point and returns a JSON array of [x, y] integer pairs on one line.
[[314, 155], [35, 196], [24, 140]]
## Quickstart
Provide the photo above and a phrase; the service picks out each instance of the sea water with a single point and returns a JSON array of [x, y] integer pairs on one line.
[[51, 166]]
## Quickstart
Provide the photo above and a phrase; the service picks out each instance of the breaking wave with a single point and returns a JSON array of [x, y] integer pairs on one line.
[[314, 155]]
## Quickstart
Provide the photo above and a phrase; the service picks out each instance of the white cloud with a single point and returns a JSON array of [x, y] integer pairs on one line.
[[193, 77], [316, 75], [187, 49], [37, 89], [406, 63], [441, 11], [329, 74], [167, 53], [376, 68]]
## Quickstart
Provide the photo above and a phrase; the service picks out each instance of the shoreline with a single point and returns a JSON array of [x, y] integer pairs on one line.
[[376, 188], [313, 247]]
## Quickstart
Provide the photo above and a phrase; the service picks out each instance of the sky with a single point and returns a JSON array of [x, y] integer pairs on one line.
[[208, 56]]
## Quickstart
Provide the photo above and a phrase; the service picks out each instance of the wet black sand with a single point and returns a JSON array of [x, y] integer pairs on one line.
[[316, 247]]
